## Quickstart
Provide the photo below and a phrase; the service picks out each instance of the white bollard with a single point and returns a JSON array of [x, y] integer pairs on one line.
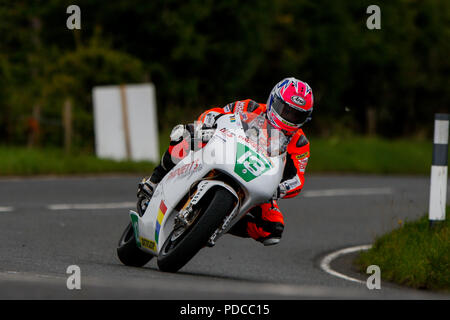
[[439, 166]]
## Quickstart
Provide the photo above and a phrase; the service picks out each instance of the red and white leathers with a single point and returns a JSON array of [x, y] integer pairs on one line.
[[289, 106], [266, 220]]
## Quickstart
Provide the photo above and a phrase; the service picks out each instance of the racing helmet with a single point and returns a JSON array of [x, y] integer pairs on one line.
[[290, 104]]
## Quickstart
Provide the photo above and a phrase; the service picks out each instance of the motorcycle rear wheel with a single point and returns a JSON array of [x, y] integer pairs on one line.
[[175, 254]]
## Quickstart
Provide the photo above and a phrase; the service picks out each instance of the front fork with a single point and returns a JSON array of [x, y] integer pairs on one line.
[[220, 231], [188, 214]]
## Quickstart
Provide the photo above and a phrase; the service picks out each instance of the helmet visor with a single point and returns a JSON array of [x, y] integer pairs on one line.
[[289, 113]]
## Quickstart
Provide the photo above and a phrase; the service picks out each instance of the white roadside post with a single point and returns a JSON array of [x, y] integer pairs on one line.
[[439, 168]]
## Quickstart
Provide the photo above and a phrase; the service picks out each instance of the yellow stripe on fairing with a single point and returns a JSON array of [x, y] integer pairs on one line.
[[160, 216]]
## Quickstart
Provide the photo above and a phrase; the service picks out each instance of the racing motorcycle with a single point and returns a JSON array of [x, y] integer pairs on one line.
[[206, 193]]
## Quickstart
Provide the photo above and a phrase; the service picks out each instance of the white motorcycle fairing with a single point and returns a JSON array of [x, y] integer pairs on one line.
[[229, 151]]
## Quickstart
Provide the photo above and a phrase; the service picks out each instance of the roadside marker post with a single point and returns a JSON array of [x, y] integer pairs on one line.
[[439, 169]]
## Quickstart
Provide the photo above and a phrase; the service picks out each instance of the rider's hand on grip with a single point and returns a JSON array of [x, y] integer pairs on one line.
[[207, 134], [204, 132]]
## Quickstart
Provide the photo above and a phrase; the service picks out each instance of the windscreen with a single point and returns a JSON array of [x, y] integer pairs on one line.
[[259, 130]]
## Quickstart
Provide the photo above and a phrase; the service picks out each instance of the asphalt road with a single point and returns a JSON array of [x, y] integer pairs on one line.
[[39, 242]]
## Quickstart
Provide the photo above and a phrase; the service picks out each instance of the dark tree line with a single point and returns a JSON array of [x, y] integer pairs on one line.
[[207, 53]]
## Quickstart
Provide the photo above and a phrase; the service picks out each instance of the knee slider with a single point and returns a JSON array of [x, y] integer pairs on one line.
[[278, 229]]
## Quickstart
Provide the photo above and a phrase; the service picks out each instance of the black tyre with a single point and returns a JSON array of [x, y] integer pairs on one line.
[[175, 254], [128, 252]]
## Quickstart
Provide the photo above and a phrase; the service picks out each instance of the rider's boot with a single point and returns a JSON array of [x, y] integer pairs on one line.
[[145, 191], [273, 238], [178, 149], [263, 223], [147, 186]]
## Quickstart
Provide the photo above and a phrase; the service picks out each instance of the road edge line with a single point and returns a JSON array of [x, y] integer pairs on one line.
[[326, 261]]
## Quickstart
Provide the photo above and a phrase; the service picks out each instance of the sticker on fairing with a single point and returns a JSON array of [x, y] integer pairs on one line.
[[161, 212], [249, 164], [149, 244], [302, 156], [135, 225]]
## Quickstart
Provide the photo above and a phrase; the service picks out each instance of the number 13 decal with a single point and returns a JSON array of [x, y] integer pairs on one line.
[[252, 163]]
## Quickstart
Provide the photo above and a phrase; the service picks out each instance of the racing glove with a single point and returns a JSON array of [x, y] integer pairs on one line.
[[206, 129], [205, 132]]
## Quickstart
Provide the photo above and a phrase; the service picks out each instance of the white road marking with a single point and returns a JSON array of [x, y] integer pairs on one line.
[[346, 192], [307, 194], [6, 209], [326, 261], [92, 206]]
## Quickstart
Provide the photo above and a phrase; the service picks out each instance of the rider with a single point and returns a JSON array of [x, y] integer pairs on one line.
[[288, 107]]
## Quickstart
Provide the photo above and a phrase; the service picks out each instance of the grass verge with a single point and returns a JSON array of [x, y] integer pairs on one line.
[[23, 161], [414, 255], [341, 155], [370, 155]]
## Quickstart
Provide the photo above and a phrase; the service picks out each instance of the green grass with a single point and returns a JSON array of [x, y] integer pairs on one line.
[[413, 255], [341, 155], [23, 161], [370, 155]]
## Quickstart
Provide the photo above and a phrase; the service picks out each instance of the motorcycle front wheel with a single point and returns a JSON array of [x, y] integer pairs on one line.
[[175, 253], [128, 252]]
